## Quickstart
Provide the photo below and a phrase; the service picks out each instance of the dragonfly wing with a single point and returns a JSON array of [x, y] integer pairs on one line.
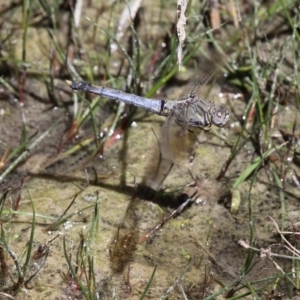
[[208, 68], [172, 144]]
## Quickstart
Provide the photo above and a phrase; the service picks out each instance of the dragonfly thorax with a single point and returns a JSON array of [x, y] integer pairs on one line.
[[202, 120]]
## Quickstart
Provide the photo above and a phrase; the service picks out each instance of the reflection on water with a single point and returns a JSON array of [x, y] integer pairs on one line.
[[123, 245]]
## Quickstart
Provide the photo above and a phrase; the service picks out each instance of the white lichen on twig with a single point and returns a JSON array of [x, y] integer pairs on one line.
[[181, 6]]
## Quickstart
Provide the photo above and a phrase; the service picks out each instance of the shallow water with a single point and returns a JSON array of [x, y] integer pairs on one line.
[[198, 249]]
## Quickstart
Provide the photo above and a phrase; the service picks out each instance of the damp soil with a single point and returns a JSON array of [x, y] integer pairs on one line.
[[198, 248]]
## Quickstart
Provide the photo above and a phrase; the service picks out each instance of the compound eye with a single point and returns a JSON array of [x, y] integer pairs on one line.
[[220, 116]]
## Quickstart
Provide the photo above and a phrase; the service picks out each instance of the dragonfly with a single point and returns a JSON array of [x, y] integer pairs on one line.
[[189, 110]]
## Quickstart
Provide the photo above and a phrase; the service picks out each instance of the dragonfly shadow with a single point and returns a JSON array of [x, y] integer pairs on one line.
[[161, 198], [141, 191]]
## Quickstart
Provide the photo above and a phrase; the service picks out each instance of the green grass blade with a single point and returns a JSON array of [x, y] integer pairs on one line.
[[148, 284], [255, 165], [30, 243], [72, 271]]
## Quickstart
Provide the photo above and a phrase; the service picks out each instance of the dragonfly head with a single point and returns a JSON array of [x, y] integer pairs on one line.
[[219, 116]]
